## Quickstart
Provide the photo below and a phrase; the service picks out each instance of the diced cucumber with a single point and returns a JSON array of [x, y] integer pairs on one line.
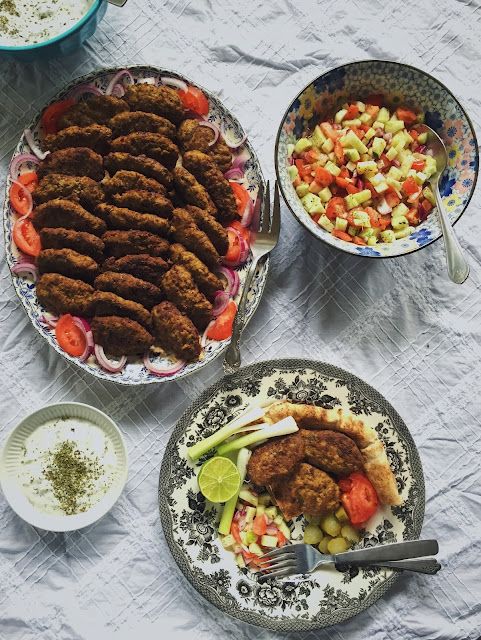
[[400, 210], [378, 125], [370, 133], [278, 519], [403, 233], [331, 156], [395, 184], [250, 514], [325, 223], [314, 187], [376, 179], [391, 153], [430, 167], [361, 219], [388, 236], [327, 146], [372, 240], [240, 562], [393, 126], [284, 529], [311, 202], [351, 165], [338, 118], [293, 172], [227, 541], [429, 195], [325, 195], [303, 144], [352, 154], [365, 118], [269, 541], [332, 168], [243, 537], [251, 537], [420, 177], [361, 106], [312, 534], [382, 187], [378, 146], [399, 222], [318, 138], [423, 137], [356, 122], [255, 549], [351, 201], [352, 231], [407, 138], [406, 164], [369, 165], [352, 141], [271, 512], [290, 149], [412, 173], [265, 499], [247, 495], [399, 140], [302, 189], [365, 234], [341, 224], [395, 173], [260, 509], [383, 115]]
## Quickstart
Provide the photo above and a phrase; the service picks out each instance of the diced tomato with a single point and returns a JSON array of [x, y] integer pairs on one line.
[[221, 329], [413, 216], [373, 216], [360, 241], [384, 222], [323, 176], [329, 131], [376, 99], [259, 526], [194, 100], [296, 182], [346, 183], [372, 109], [386, 162], [336, 208], [245, 233], [373, 191], [359, 132], [392, 199], [241, 196], [352, 112], [418, 165], [234, 529], [51, 115], [342, 235], [365, 127], [408, 116], [414, 133], [69, 336], [299, 164], [344, 173], [312, 155], [358, 497], [426, 205], [410, 186], [316, 217], [339, 152], [281, 539], [26, 238]]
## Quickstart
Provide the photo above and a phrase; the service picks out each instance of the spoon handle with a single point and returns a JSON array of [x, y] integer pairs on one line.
[[458, 268]]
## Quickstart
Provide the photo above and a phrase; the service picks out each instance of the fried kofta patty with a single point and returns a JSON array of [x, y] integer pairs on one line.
[[216, 233], [129, 287], [207, 282], [210, 176], [80, 241], [106, 303], [317, 491], [121, 218], [194, 137], [67, 262], [94, 136], [73, 161], [175, 332], [142, 266], [191, 191], [148, 167], [187, 233], [123, 243], [162, 101], [80, 189], [274, 459], [120, 336], [153, 145], [60, 294], [332, 452], [181, 290], [68, 215], [124, 180], [144, 202], [124, 123], [94, 110]]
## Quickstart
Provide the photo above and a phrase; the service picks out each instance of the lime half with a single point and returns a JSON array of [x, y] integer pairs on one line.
[[219, 479]]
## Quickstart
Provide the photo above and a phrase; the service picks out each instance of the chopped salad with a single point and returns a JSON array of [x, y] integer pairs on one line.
[[363, 175]]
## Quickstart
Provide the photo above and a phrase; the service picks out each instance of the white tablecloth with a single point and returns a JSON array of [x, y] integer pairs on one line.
[[401, 325]]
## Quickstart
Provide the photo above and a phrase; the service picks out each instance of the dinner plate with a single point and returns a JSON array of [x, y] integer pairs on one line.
[[297, 603], [135, 372]]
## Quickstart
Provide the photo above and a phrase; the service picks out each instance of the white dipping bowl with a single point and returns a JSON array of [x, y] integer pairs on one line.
[[13, 451]]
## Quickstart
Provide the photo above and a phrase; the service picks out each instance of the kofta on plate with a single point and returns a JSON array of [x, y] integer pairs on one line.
[[144, 202], [142, 265], [118, 160], [153, 145], [207, 282], [94, 136], [106, 303], [180, 289], [68, 215], [80, 189], [80, 241], [73, 161], [125, 180], [129, 121], [67, 262], [124, 243], [121, 336], [129, 287], [175, 332], [94, 110], [122, 218], [162, 100], [60, 294]]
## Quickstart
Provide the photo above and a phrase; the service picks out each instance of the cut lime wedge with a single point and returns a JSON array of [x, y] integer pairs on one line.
[[219, 479]]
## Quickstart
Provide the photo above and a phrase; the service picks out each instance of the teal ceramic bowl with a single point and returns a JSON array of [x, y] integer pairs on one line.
[[63, 44], [400, 84]]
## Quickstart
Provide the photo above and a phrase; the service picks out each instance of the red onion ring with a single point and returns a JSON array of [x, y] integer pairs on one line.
[[234, 173], [163, 370], [117, 79], [49, 319], [248, 213], [118, 91], [25, 267], [28, 197], [174, 82], [17, 162], [41, 155], [205, 339], [105, 363], [147, 81], [213, 127], [232, 144], [244, 250], [233, 280], [221, 301], [82, 89]]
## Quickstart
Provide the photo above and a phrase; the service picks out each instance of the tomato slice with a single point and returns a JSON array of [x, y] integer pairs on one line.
[[408, 116], [20, 198], [70, 337], [241, 196], [222, 327], [194, 100], [26, 238], [336, 208], [234, 250], [244, 232], [29, 179], [52, 114], [358, 497]]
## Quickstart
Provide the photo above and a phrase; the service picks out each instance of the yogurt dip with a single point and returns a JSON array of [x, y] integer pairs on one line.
[[26, 22], [67, 466]]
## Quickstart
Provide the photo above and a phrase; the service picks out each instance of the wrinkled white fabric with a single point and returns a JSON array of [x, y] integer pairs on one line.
[[401, 325]]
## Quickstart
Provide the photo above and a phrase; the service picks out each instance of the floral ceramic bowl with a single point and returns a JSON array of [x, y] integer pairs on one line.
[[400, 84]]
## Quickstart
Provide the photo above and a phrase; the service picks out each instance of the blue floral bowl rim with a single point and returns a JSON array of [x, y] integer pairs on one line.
[[350, 64]]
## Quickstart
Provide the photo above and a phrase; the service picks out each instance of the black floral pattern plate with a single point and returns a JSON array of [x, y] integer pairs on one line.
[[328, 596]]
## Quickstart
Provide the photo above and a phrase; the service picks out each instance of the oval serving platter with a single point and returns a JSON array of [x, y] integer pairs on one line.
[[135, 372], [301, 603]]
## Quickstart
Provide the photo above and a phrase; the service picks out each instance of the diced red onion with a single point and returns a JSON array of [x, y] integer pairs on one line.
[[396, 163], [41, 155], [174, 82], [292, 161], [233, 280], [359, 183], [387, 137], [117, 80], [28, 197], [232, 144], [213, 127], [221, 301], [272, 530], [84, 327], [49, 319], [147, 81], [420, 149], [82, 89], [204, 340], [379, 132], [242, 522], [113, 366], [24, 267], [163, 370], [17, 162]]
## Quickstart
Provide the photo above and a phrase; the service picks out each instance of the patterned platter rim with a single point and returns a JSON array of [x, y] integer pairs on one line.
[[257, 285], [258, 371], [350, 64]]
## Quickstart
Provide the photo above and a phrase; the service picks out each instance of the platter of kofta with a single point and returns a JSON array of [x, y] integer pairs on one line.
[[127, 221]]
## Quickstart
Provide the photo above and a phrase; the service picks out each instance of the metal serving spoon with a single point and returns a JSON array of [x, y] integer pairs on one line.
[[458, 268]]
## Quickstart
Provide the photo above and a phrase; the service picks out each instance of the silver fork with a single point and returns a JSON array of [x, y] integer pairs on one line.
[[302, 558], [264, 240]]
